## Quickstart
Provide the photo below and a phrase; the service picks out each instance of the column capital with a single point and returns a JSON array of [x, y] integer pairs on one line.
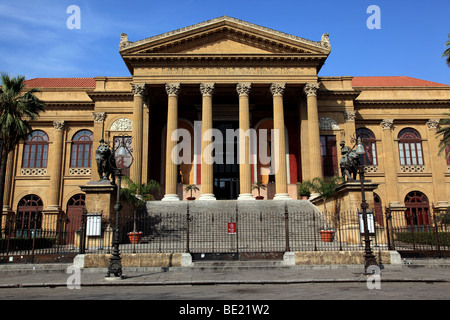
[[349, 115], [277, 89], [59, 125], [387, 124], [310, 89], [99, 116], [173, 89], [243, 88], [207, 88], [138, 89], [433, 124]]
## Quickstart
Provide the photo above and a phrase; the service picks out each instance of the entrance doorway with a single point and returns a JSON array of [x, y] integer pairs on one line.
[[226, 167]]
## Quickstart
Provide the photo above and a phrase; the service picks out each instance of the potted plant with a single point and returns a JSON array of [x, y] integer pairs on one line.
[[304, 190], [191, 188], [137, 195], [259, 185], [326, 189]]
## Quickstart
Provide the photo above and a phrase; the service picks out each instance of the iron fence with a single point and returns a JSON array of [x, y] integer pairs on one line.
[[237, 233]]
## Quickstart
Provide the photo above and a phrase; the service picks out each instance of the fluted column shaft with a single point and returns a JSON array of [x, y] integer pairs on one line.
[[172, 90], [281, 192], [207, 178], [310, 90]]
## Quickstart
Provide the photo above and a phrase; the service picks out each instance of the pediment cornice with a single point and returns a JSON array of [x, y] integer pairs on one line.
[[225, 28]]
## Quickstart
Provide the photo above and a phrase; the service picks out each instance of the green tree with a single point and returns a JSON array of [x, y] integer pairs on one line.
[[138, 194], [444, 131], [18, 105], [447, 51], [326, 188]]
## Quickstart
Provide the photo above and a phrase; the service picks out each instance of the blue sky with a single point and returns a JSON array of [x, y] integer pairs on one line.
[[36, 42]]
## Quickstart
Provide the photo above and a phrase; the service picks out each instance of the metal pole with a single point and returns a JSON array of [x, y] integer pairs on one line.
[[286, 227], [369, 258], [188, 219], [115, 264]]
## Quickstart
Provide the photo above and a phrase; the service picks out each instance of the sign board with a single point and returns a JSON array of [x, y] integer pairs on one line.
[[370, 222], [231, 227], [94, 225]]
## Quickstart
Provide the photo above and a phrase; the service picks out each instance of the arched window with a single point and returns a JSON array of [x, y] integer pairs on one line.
[[368, 138], [29, 217], [81, 149], [75, 207], [410, 147], [35, 151], [417, 209]]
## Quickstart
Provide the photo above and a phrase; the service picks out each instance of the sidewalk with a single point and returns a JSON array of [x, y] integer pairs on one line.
[[57, 275]]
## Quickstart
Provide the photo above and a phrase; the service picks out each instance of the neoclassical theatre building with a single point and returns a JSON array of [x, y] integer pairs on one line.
[[227, 74]]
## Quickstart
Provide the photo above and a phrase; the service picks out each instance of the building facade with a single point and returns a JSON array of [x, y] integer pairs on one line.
[[226, 74]]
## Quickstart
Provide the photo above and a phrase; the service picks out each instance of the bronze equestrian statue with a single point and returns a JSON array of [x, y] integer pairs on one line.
[[349, 162]]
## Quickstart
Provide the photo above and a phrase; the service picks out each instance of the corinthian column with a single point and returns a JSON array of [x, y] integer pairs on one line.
[[55, 166], [310, 90], [245, 177], [207, 90], [281, 193], [172, 90], [136, 168]]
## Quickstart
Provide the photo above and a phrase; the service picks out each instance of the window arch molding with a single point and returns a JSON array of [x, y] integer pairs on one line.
[[81, 149], [370, 158], [35, 150], [410, 147]]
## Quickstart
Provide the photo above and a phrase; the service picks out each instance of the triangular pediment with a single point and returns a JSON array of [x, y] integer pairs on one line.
[[223, 36]]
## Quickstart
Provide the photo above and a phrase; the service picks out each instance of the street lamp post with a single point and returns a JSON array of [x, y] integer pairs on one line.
[[369, 258], [118, 162]]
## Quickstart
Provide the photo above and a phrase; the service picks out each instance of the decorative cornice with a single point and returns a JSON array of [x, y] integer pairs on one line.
[[243, 88], [387, 124], [310, 89], [173, 89], [207, 89], [324, 44], [277, 89], [59, 125]]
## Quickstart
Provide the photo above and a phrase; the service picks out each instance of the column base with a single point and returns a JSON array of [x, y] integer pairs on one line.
[[207, 196], [282, 196], [246, 197], [170, 197]]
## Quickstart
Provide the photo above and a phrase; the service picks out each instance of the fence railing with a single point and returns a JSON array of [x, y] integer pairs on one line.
[[218, 232]]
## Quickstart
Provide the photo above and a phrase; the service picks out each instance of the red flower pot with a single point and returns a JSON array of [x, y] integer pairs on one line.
[[135, 237], [259, 198], [190, 198], [326, 235]]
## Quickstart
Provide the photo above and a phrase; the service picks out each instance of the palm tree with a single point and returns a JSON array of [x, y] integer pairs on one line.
[[444, 145], [17, 105], [326, 188], [191, 188], [138, 194], [447, 51]]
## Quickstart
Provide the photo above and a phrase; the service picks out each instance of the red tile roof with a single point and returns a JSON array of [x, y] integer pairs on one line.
[[399, 81], [61, 83]]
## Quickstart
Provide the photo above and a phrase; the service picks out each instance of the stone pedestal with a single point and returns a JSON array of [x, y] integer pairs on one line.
[[100, 197]]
